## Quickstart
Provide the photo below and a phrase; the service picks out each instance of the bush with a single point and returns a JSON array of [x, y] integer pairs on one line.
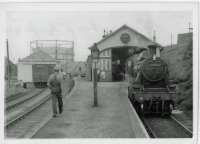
[[179, 61]]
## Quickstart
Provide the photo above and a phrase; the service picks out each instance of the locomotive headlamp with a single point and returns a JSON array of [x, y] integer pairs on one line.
[[142, 106], [141, 99], [154, 57]]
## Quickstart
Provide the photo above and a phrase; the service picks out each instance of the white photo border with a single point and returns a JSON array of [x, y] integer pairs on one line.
[[106, 6]]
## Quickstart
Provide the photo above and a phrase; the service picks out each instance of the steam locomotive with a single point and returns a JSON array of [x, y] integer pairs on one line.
[[150, 90]]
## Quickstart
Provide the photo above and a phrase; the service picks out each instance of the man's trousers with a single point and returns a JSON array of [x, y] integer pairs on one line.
[[57, 100]]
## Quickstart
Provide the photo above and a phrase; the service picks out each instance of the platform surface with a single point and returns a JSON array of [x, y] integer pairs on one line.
[[81, 120]]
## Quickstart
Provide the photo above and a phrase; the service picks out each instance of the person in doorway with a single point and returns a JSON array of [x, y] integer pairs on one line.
[[103, 75], [54, 84]]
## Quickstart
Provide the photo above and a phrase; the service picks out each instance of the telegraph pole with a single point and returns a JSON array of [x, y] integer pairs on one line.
[[56, 54], [154, 36], [37, 45], [73, 50], [190, 28], [8, 63], [171, 39]]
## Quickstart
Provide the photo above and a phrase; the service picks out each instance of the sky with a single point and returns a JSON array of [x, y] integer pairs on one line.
[[85, 28]]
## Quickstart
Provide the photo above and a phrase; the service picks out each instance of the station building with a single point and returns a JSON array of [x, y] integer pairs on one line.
[[115, 48], [35, 68]]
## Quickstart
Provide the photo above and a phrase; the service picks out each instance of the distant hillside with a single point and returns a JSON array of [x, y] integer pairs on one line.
[[179, 60]]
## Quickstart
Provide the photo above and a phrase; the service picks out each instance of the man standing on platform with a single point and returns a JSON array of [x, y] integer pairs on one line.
[[55, 85]]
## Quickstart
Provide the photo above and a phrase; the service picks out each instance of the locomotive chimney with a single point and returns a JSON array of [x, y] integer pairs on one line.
[[154, 36], [154, 49]]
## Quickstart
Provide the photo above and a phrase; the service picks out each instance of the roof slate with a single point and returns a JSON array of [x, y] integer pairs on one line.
[[39, 55], [122, 27]]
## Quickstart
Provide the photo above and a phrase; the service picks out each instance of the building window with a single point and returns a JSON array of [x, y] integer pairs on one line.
[[108, 63], [99, 65], [103, 53], [103, 64], [108, 52]]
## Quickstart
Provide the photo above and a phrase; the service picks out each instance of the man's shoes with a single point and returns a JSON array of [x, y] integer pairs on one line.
[[54, 115], [61, 110]]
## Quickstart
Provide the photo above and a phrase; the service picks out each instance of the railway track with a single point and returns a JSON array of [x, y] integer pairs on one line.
[[26, 120], [15, 101], [19, 109], [18, 95], [187, 130], [165, 127]]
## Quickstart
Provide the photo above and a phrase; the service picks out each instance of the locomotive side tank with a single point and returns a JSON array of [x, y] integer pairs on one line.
[[150, 91]]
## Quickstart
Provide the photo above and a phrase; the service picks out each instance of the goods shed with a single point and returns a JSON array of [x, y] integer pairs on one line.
[[35, 68]]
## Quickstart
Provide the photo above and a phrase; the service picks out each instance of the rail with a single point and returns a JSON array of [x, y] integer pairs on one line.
[[18, 100], [165, 127], [27, 110], [189, 132]]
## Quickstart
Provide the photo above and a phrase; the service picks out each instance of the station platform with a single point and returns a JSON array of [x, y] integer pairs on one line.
[[81, 120]]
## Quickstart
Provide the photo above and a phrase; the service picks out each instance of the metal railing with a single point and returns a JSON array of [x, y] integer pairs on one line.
[[58, 49]]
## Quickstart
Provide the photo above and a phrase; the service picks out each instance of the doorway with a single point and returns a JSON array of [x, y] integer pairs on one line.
[[119, 57]]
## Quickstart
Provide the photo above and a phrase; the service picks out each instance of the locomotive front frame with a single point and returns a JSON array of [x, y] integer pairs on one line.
[[152, 102]]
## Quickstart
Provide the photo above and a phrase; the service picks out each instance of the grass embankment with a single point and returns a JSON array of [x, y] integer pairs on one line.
[[179, 60]]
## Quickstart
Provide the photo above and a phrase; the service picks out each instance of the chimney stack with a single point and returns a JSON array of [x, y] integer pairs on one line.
[[154, 36], [104, 33]]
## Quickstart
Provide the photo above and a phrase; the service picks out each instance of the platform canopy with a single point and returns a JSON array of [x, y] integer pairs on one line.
[[125, 36]]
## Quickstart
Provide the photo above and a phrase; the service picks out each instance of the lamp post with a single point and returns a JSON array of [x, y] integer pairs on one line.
[[95, 56]]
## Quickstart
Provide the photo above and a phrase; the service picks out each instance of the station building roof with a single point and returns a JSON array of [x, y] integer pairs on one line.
[[38, 57], [129, 28]]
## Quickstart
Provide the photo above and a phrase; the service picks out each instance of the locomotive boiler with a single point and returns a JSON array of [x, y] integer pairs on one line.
[[150, 91]]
